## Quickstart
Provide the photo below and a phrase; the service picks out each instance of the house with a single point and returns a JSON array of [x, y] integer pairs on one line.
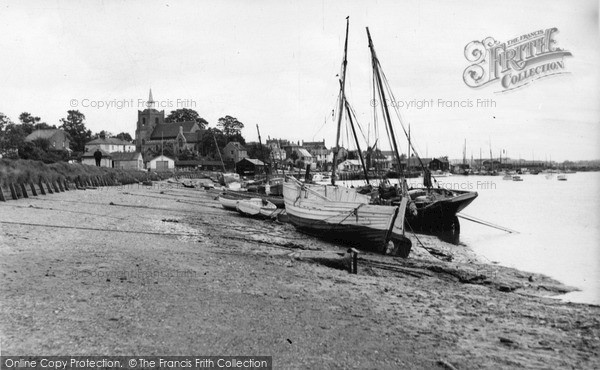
[[127, 160], [161, 163], [318, 151], [277, 152], [350, 165], [249, 167], [304, 158], [57, 138], [414, 163], [440, 164], [88, 158], [187, 165], [375, 159], [109, 145], [234, 151]]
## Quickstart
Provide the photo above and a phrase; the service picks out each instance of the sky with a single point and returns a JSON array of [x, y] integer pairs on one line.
[[275, 64]]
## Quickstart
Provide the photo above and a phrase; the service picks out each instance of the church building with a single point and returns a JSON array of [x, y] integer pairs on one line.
[[152, 133]]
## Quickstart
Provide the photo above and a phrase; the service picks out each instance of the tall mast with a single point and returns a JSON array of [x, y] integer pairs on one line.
[[218, 151], [362, 160], [342, 102], [408, 155], [262, 152], [383, 101]]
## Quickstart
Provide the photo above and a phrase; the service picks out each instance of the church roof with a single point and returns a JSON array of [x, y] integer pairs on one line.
[[171, 130]]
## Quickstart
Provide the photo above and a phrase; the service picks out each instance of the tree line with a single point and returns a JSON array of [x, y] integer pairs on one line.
[[13, 134]]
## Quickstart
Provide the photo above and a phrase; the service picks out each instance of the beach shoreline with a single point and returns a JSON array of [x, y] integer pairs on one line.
[[165, 270]]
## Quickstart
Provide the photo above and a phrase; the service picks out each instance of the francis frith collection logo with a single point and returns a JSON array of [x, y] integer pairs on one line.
[[516, 62]]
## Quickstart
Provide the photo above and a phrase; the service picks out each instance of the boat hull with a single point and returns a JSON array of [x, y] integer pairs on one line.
[[255, 207], [350, 222], [439, 214]]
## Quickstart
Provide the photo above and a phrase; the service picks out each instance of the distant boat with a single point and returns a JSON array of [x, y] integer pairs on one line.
[[561, 177], [517, 178], [507, 176], [256, 207]]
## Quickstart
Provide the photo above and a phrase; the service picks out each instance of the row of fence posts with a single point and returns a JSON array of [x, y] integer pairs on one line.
[[43, 186]]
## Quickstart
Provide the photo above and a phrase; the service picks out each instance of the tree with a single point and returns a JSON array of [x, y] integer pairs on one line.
[[28, 122], [255, 150], [208, 142], [124, 136], [74, 125], [231, 127], [4, 120], [103, 135], [43, 126], [13, 137], [184, 115]]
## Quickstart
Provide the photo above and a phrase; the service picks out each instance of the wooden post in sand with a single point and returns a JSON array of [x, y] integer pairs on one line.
[[33, 191], [24, 191], [41, 185], [354, 264]]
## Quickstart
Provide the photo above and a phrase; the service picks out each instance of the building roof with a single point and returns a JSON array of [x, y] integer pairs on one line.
[[43, 134], [192, 137], [171, 130], [159, 156], [255, 162], [304, 152], [109, 141], [125, 156], [236, 145]]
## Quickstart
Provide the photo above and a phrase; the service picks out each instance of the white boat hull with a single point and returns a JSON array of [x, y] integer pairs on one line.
[[342, 215]]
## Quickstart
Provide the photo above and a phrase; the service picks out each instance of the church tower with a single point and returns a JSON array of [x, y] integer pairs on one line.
[[148, 119]]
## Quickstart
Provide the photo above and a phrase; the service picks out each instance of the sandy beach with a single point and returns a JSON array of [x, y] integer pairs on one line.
[[164, 270]]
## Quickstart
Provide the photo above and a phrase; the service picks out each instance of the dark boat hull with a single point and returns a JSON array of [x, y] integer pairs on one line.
[[439, 214]]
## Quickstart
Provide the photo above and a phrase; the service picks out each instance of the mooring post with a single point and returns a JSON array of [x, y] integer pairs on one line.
[[354, 266]]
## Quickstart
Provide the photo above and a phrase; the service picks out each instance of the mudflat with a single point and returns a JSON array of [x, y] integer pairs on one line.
[[164, 270]]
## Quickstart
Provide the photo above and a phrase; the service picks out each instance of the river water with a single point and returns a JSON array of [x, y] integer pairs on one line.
[[558, 224]]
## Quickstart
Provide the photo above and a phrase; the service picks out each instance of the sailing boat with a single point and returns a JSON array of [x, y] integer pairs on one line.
[[429, 208], [341, 214]]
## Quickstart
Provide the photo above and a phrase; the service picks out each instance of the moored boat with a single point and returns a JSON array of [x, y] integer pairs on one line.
[[561, 177], [228, 201], [341, 214], [256, 207]]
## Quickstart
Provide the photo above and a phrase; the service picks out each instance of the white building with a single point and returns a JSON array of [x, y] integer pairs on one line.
[[161, 163], [350, 165], [109, 145]]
